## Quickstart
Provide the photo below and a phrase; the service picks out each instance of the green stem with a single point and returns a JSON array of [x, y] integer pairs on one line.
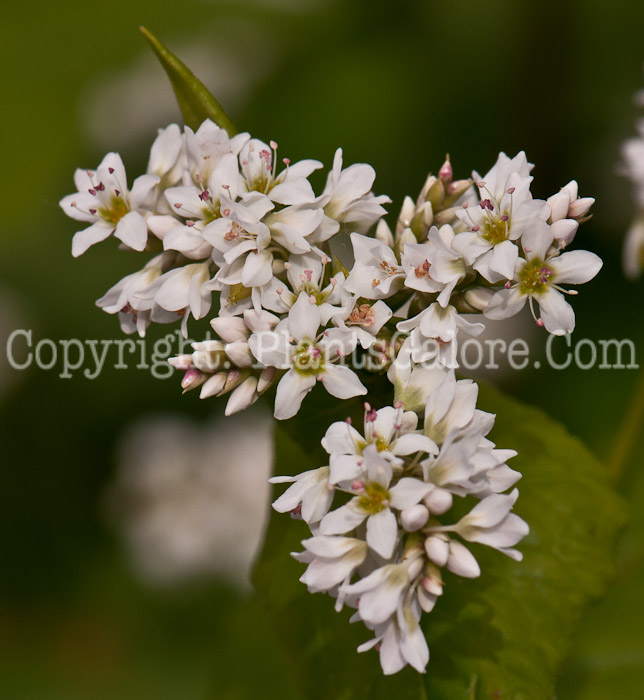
[[628, 434]]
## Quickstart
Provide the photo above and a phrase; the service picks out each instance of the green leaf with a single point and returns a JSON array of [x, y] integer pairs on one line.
[[504, 635], [195, 100]]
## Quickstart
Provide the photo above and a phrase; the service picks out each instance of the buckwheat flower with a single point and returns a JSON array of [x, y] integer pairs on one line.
[[184, 291], [538, 278], [258, 163], [364, 321], [309, 497], [376, 273], [491, 523], [104, 200], [390, 429], [331, 561], [400, 641], [205, 148], [442, 268], [309, 356], [200, 207], [250, 235], [127, 297], [506, 210], [434, 333], [347, 199], [373, 502], [306, 273]]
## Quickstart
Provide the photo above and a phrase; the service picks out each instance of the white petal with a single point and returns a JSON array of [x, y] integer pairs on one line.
[[504, 258], [291, 390], [342, 382], [341, 520], [132, 230], [94, 234], [556, 313], [304, 319], [576, 267], [505, 303], [382, 531], [407, 492]]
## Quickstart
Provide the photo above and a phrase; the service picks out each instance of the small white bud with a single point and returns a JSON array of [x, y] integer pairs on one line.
[[437, 549], [230, 328], [213, 385], [461, 561], [243, 396], [438, 501], [414, 518], [239, 354]]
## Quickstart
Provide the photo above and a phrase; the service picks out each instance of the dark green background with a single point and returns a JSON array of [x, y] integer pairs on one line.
[[394, 84]]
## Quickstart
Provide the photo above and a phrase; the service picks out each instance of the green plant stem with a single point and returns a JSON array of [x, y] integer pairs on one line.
[[628, 434]]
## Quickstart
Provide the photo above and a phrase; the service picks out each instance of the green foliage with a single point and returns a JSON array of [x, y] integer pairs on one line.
[[504, 635], [195, 100]]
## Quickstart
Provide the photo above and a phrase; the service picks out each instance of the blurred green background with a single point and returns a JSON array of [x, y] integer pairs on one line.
[[396, 85]]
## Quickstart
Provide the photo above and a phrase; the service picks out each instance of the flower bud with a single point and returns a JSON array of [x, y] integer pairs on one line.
[[243, 396], [239, 354], [383, 233], [192, 379], [208, 362], [266, 378], [564, 231], [414, 517], [181, 362], [559, 204], [230, 328], [438, 501], [213, 385], [445, 173], [437, 549], [579, 208], [478, 297], [461, 561]]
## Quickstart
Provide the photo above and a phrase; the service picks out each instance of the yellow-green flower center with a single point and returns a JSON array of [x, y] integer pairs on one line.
[[374, 499], [535, 277], [117, 209], [308, 359], [496, 230]]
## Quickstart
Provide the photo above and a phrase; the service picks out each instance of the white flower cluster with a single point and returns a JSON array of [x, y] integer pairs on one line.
[[382, 550], [633, 167], [294, 311]]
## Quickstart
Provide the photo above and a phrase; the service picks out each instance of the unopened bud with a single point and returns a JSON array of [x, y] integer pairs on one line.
[[266, 378], [564, 231], [478, 297], [437, 549], [445, 173], [461, 561], [414, 517], [438, 501], [559, 204], [230, 328], [192, 379], [243, 396], [214, 385], [423, 219], [383, 233], [436, 195], [579, 208], [239, 354], [181, 362], [455, 190]]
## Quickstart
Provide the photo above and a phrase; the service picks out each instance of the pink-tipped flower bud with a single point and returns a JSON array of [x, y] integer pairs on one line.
[[445, 173], [579, 208], [192, 379], [181, 362], [239, 354], [214, 385]]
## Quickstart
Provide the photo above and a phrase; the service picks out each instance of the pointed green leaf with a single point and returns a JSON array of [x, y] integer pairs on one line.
[[195, 100], [504, 635]]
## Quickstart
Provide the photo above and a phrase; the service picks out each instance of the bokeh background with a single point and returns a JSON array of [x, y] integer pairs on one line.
[[97, 601]]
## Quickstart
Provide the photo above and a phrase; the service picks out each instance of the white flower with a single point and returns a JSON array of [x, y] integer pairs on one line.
[[205, 148], [305, 273], [373, 501], [347, 199], [104, 200], [538, 278], [434, 334], [566, 209], [331, 561], [259, 172], [167, 156], [376, 273], [434, 266], [505, 212], [309, 358], [491, 523], [309, 497], [127, 297], [390, 429]]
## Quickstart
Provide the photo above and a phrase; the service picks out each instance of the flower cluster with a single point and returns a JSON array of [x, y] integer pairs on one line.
[[229, 227], [633, 168]]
